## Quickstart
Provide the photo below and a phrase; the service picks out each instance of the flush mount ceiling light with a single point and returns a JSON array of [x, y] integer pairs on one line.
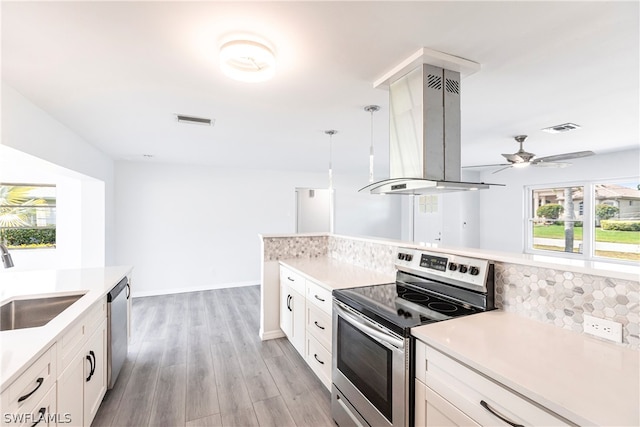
[[247, 60]]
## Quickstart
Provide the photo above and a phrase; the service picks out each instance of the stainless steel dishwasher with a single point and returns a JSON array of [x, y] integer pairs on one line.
[[117, 302]]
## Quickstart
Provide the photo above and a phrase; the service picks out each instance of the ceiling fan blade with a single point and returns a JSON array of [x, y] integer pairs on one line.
[[551, 164], [565, 156], [486, 166], [501, 169]]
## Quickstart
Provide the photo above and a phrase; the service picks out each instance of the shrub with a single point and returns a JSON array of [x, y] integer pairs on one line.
[[620, 225], [606, 211], [550, 211], [19, 237]]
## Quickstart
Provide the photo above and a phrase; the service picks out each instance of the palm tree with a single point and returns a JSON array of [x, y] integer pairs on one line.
[[16, 207]]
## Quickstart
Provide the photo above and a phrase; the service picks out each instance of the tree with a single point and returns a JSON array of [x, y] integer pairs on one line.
[[569, 217], [606, 211], [549, 211]]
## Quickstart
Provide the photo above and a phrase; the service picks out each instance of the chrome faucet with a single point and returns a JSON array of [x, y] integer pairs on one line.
[[6, 256]]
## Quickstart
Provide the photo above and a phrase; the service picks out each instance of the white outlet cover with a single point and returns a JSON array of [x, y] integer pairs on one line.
[[603, 328]]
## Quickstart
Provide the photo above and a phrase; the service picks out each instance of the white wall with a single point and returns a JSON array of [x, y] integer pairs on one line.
[[502, 215], [31, 130], [195, 227]]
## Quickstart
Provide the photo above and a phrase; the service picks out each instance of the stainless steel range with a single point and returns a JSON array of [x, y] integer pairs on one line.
[[373, 350]]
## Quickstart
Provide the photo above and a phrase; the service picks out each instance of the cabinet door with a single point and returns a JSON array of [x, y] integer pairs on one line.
[[71, 389], [299, 323], [286, 311], [95, 385], [433, 410]]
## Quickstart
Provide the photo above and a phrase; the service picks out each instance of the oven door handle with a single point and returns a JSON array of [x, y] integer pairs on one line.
[[369, 328]]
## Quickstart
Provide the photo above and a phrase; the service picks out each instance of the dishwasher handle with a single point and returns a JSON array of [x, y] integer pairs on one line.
[[117, 289]]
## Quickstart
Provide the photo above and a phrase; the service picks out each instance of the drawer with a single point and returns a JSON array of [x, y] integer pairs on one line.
[[466, 389], [32, 385], [319, 296], [72, 341], [42, 413], [319, 359], [319, 325], [292, 279]]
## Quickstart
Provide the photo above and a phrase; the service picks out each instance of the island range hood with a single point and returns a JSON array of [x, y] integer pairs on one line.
[[424, 141]]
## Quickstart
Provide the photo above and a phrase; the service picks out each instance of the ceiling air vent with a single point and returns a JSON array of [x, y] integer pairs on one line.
[[194, 120], [565, 127]]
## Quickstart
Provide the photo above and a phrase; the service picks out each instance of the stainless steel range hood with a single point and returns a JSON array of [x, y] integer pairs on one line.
[[424, 142]]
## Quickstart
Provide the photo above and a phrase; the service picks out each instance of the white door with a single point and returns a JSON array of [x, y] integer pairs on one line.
[[428, 219]]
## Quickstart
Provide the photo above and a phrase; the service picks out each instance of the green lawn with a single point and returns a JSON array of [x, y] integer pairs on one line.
[[557, 232]]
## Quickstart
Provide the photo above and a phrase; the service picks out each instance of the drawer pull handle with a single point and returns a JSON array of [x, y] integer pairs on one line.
[[319, 299], [40, 380], [93, 368], [321, 327], [486, 406], [90, 364], [290, 279], [41, 411], [319, 361]]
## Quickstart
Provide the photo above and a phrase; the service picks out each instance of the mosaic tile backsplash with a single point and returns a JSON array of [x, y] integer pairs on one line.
[[276, 248], [548, 295]]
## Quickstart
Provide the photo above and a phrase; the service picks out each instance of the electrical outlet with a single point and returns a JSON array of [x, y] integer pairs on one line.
[[607, 329]]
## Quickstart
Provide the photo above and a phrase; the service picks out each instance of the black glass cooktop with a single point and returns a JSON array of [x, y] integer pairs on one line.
[[400, 307]]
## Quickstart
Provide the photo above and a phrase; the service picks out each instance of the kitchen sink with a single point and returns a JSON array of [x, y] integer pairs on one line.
[[31, 313]]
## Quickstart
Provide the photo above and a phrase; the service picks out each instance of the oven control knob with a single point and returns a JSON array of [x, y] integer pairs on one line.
[[474, 271], [407, 314], [400, 312], [453, 266], [400, 255], [408, 257], [462, 268]]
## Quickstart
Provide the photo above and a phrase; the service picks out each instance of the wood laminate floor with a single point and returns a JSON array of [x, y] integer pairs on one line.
[[195, 359]]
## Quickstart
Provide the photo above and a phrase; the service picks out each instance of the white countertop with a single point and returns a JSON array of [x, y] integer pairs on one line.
[[333, 274], [584, 379], [19, 348]]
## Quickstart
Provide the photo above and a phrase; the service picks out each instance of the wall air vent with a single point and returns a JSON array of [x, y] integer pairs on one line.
[[565, 127], [181, 118]]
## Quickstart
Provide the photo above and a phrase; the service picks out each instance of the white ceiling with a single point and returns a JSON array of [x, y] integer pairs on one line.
[[116, 72]]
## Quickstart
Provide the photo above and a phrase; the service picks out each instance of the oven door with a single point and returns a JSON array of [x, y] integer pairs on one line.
[[370, 373]]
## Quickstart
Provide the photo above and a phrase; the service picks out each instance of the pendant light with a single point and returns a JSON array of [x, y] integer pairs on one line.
[[330, 132], [371, 109]]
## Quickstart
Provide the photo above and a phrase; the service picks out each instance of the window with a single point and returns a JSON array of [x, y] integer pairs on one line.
[[28, 215], [593, 220]]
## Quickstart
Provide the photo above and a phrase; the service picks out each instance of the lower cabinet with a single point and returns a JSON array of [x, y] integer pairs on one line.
[[305, 318], [292, 317], [83, 382], [31, 398], [453, 394]]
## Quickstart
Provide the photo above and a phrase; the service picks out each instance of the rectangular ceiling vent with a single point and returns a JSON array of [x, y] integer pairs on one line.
[[194, 120], [565, 127]]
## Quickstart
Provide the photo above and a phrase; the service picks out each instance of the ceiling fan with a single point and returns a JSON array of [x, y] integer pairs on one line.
[[523, 158]]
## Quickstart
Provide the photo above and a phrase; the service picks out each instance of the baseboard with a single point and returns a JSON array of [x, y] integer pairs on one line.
[[156, 292], [270, 335]]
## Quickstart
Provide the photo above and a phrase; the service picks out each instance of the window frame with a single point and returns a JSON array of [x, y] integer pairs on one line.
[[588, 220]]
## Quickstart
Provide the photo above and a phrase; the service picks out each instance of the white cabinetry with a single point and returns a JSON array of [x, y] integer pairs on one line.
[[452, 394], [305, 318], [83, 361], [292, 308], [32, 393], [318, 347]]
